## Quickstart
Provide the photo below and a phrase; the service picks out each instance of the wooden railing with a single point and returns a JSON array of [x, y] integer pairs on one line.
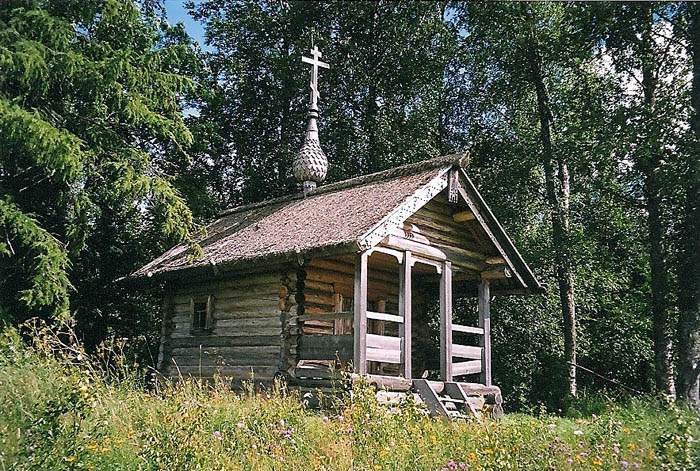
[[384, 348], [380, 348], [475, 355]]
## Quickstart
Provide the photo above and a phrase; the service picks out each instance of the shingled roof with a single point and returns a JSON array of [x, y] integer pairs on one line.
[[332, 219], [329, 219]]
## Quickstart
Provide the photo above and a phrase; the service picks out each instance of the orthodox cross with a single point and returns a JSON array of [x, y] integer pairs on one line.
[[316, 63]]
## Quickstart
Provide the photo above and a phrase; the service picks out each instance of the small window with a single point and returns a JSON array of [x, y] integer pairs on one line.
[[201, 314]]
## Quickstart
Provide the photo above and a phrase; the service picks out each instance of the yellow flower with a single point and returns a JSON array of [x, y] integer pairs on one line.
[[70, 458], [92, 446], [626, 429], [597, 461], [632, 446], [472, 456]]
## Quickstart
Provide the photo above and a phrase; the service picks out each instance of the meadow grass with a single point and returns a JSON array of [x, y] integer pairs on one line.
[[60, 409]]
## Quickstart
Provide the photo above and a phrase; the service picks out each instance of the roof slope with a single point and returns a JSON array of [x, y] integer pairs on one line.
[[332, 218]]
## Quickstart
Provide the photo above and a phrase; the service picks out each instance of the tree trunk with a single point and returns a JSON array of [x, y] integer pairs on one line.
[[558, 201], [689, 270], [649, 165]]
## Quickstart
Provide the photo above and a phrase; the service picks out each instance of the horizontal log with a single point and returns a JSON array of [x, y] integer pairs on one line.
[[317, 372], [218, 360], [466, 351], [325, 316], [234, 331], [272, 321], [383, 341], [325, 347], [496, 274], [390, 383], [243, 372], [495, 260], [463, 216], [466, 368], [221, 341], [241, 351], [467, 329], [383, 355], [381, 316]]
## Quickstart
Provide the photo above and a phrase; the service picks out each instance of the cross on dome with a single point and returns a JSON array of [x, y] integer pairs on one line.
[[316, 63], [310, 164]]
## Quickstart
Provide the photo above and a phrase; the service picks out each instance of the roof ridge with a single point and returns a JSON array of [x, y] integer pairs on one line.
[[461, 159]]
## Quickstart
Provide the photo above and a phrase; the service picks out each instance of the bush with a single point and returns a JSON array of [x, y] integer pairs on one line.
[[60, 409]]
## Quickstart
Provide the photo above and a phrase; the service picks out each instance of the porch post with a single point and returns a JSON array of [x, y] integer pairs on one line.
[[485, 323], [360, 315], [446, 322], [405, 312]]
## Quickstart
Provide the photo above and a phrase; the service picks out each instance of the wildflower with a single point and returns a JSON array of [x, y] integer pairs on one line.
[[240, 424], [216, 434], [325, 419], [286, 433], [70, 458], [578, 432], [624, 464], [570, 460]]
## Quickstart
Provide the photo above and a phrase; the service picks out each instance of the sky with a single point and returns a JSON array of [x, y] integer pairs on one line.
[[178, 14]]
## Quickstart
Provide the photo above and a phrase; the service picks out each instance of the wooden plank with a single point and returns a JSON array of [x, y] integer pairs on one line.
[[384, 341], [487, 229], [434, 251], [360, 317], [167, 327], [485, 323], [430, 398], [384, 355], [467, 329], [495, 261], [453, 186], [453, 390], [466, 368], [446, 322], [463, 216], [325, 347], [405, 308], [466, 351], [397, 254], [409, 206], [381, 316]]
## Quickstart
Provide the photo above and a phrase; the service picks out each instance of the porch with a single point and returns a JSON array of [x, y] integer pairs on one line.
[[372, 330]]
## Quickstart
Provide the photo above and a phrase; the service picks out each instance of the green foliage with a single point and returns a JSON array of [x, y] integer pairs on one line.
[[49, 282], [91, 125], [63, 409]]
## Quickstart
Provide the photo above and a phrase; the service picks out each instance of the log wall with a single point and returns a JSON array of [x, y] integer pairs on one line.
[[250, 329]]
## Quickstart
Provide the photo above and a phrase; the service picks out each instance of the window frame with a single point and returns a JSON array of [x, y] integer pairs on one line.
[[208, 327]]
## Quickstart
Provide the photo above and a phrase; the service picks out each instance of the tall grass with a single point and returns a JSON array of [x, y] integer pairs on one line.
[[62, 409]]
